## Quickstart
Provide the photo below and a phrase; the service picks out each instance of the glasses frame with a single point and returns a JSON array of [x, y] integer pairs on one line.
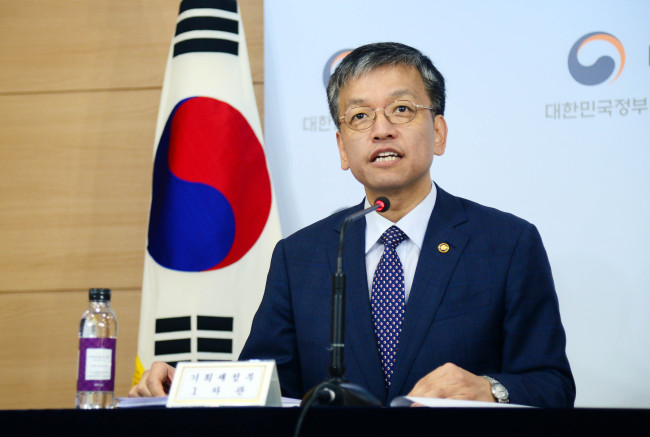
[[374, 114]]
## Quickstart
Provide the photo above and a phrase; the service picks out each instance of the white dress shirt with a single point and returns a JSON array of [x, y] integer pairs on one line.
[[413, 224]]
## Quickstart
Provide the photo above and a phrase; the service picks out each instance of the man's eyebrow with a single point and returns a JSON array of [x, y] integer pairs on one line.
[[356, 102], [401, 93], [394, 95]]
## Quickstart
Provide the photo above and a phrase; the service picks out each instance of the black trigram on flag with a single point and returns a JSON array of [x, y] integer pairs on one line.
[[174, 335], [198, 24]]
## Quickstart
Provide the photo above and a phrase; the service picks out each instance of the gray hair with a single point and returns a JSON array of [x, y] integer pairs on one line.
[[370, 57]]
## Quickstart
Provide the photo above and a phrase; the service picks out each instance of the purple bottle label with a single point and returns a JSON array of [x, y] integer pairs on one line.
[[96, 364]]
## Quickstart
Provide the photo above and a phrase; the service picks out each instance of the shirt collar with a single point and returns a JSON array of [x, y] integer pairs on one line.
[[413, 224]]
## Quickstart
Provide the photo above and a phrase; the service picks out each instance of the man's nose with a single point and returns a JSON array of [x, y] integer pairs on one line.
[[382, 128]]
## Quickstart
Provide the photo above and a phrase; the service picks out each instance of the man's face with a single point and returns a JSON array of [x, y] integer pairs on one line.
[[391, 159]]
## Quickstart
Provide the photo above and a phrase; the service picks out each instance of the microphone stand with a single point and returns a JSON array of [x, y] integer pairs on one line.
[[336, 391]]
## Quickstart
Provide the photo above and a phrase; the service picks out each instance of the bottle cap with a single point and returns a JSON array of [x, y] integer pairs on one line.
[[100, 294]]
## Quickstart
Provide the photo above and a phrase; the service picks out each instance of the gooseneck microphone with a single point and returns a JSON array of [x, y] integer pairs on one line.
[[382, 204], [335, 390]]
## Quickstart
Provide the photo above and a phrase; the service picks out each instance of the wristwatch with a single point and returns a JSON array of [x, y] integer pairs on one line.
[[499, 392]]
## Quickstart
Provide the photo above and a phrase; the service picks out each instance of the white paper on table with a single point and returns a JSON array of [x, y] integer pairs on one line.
[[161, 401], [148, 402], [291, 402], [407, 401]]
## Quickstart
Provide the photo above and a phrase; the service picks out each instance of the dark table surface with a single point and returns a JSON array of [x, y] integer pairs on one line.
[[329, 421]]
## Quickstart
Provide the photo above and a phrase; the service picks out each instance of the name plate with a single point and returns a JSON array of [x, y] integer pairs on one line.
[[225, 383]]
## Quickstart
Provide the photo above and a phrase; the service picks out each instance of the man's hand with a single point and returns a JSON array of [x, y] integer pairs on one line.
[[451, 382], [154, 382]]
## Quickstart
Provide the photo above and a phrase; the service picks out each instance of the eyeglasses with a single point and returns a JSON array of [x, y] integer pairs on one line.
[[397, 112]]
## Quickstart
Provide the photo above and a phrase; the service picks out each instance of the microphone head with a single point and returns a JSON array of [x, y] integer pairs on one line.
[[383, 202]]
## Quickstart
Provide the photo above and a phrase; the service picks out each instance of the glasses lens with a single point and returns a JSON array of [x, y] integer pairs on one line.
[[400, 111], [360, 118]]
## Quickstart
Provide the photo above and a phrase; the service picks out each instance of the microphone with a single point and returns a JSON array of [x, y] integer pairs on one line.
[[382, 204], [335, 390]]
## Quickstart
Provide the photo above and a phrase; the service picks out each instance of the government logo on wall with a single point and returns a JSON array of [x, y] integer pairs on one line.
[[609, 63], [604, 67]]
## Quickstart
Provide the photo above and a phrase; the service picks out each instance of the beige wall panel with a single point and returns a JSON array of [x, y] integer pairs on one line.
[[75, 188], [40, 346], [252, 13], [258, 88], [59, 45], [81, 44]]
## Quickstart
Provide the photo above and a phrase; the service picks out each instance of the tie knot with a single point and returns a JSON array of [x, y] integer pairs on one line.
[[393, 236]]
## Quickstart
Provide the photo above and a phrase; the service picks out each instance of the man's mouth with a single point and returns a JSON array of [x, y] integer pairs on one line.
[[386, 156]]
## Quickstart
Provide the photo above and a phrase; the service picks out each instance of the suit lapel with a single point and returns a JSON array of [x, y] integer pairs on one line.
[[360, 338], [432, 276]]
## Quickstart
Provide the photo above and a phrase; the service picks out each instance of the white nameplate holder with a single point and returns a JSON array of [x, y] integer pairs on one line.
[[225, 383]]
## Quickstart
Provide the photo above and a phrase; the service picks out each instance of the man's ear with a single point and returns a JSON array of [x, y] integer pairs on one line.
[[344, 156], [440, 129]]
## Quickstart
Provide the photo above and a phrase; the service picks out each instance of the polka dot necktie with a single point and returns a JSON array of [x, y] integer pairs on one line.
[[387, 300]]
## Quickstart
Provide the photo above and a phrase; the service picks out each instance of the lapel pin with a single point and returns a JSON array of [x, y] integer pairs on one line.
[[443, 248]]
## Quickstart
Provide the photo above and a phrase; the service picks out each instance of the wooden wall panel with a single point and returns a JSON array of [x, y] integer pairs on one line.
[[79, 44], [58, 45], [40, 342], [252, 13], [76, 178]]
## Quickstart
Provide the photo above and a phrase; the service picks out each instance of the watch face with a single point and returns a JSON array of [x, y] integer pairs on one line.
[[499, 391]]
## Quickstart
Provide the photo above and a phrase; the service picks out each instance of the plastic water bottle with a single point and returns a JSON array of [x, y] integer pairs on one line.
[[97, 341]]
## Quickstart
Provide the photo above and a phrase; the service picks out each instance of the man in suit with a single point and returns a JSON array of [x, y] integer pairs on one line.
[[467, 309]]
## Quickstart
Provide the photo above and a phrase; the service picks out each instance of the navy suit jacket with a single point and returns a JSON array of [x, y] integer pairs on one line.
[[487, 305]]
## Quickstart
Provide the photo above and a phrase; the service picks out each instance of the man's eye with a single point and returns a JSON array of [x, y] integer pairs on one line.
[[402, 108], [359, 116]]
